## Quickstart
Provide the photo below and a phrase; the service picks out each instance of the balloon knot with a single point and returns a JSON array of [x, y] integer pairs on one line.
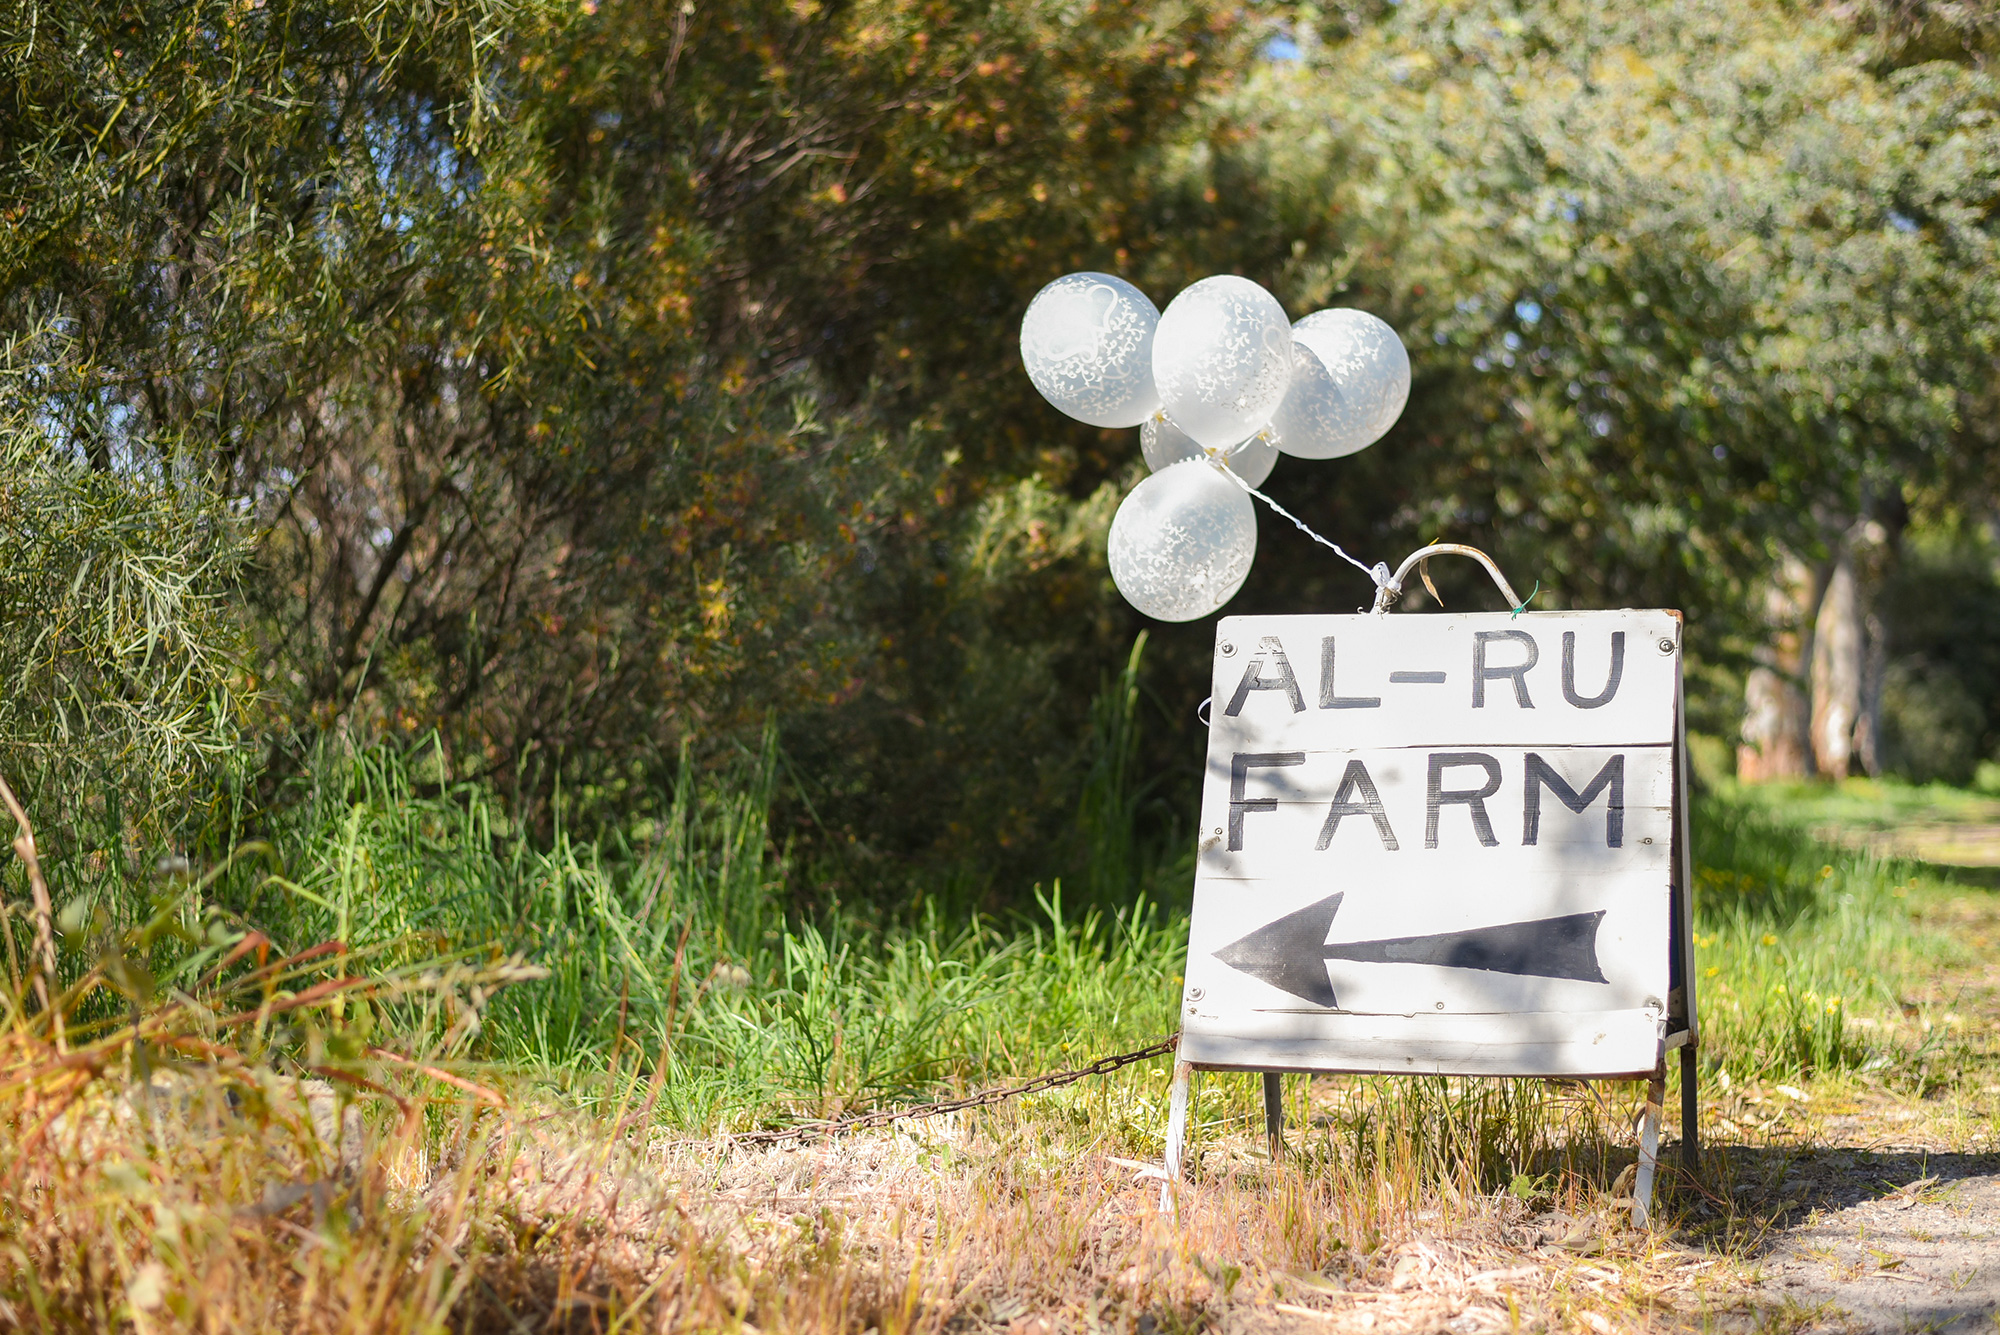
[[1384, 578]]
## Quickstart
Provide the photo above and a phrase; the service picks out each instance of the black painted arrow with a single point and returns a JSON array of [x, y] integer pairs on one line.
[[1291, 952]]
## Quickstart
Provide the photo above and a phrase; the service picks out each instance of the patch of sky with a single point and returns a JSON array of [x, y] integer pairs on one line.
[[1512, 341], [1902, 222], [1281, 48], [1528, 312], [117, 429]]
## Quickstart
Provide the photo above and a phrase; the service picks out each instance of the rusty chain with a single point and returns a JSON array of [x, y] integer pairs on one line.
[[867, 1121]]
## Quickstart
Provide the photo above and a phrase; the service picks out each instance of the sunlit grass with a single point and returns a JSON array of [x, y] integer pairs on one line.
[[683, 950], [1807, 952], [686, 997]]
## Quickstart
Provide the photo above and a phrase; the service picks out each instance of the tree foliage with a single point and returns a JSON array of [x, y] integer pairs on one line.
[[120, 636], [596, 377], [1683, 286]]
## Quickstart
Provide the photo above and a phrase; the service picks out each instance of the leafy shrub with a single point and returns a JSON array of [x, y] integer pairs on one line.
[[119, 690]]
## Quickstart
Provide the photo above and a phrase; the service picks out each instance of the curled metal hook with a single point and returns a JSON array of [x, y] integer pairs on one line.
[[1387, 591]]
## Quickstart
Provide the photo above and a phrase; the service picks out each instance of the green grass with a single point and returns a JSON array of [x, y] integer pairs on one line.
[[676, 945], [1803, 946], [679, 947], [1871, 803]]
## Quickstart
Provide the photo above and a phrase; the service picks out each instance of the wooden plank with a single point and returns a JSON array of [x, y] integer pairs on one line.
[[1264, 813], [1558, 1043], [1441, 679]]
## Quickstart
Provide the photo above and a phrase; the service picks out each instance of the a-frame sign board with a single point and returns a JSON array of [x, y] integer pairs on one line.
[[1444, 844]]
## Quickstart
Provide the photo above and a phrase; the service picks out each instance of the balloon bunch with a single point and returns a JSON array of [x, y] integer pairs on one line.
[[1219, 385]]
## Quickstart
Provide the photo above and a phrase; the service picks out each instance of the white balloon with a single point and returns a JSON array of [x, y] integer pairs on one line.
[[1366, 360], [1163, 444], [1087, 341], [1318, 419], [1182, 542], [1222, 358]]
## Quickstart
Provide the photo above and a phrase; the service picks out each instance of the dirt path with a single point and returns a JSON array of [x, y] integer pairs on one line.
[[1890, 1242], [1887, 1215]]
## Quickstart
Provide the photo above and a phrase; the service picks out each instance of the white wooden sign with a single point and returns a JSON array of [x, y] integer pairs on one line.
[[1438, 844]]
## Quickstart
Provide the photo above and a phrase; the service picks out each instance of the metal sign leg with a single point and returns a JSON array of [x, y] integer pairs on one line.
[[1274, 1114], [1649, 1148], [1177, 1114], [1690, 1114]]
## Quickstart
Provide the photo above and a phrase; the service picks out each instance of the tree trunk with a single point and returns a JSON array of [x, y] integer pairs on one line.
[[1773, 745], [1874, 667], [1838, 649], [1774, 729], [1850, 648]]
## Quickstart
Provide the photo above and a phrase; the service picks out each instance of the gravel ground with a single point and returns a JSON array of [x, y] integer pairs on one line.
[[1886, 1242]]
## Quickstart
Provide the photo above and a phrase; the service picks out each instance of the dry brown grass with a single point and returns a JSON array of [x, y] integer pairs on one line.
[[221, 1201], [197, 1208]]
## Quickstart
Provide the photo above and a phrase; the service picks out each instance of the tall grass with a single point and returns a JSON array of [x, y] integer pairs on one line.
[[672, 950], [666, 964], [672, 947], [1798, 943]]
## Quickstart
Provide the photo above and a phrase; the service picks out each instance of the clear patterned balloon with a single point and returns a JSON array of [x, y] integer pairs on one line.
[[1318, 420], [1366, 360], [1182, 542], [1163, 444], [1222, 358], [1087, 341]]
